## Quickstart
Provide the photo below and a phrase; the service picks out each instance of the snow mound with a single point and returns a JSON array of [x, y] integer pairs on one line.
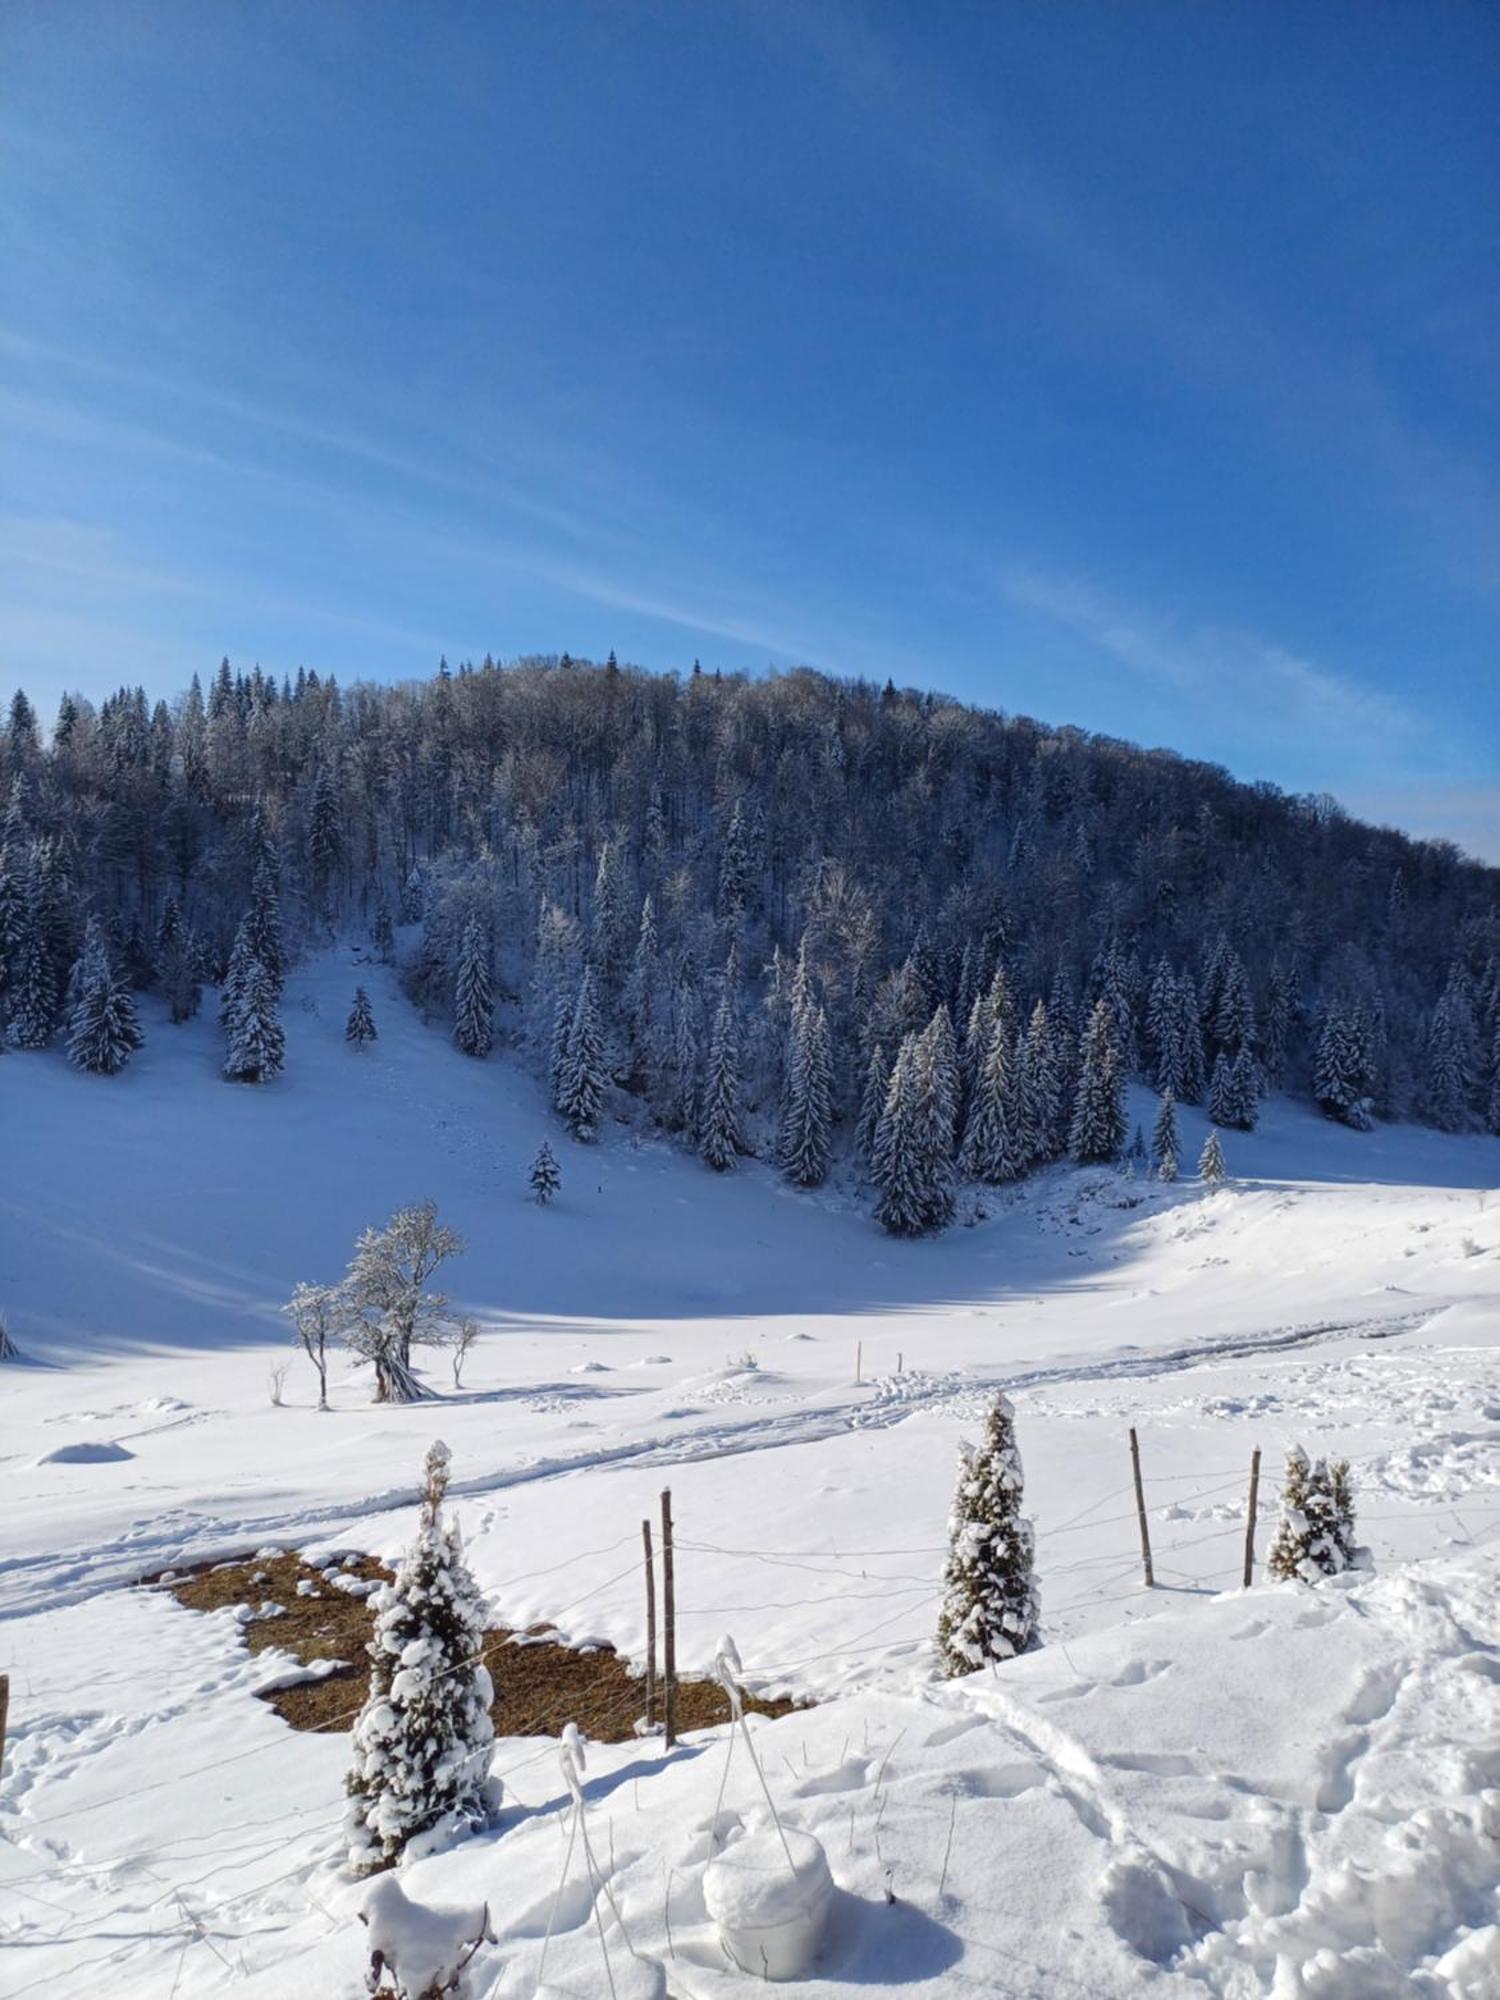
[[100, 1453]]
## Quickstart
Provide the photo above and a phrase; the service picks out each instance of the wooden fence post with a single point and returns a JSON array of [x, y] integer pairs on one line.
[[4, 1713], [669, 1614], [1140, 1509], [1250, 1517], [650, 1628], [859, 1363]]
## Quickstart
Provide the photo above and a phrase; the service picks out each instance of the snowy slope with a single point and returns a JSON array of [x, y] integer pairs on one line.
[[660, 1325]]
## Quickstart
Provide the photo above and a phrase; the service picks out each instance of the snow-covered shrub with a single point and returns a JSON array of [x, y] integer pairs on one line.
[[417, 1953], [990, 1599], [1211, 1162], [1315, 1535], [423, 1741]]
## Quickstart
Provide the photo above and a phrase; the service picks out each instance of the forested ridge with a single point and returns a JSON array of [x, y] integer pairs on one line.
[[787, 915]]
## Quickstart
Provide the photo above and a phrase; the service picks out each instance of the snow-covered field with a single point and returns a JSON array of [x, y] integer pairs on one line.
[[1185, 1791]]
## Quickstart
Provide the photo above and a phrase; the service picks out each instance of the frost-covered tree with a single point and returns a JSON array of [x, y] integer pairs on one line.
[[387, 1308], [1492, 1117], [807, 1110], [103, 1032], [424, 1739], [991, 1603], [581, 1069], [360, 1027], [719, 1131], [474, 993], [1315, 1535], [1098, 1128], [318, 1314], [1449, 1080], [545, 1178], [382, 934], [1165, 1148], [255, 1044], [1211, 1167]]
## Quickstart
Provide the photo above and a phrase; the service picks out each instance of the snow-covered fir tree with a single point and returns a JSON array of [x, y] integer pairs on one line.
[[898, 1169], [877, 1086], [1165, 1147], [991, 1603], [1340, 1077], [1211, 1167], [720, 1137], [255, 1045], [807, 1110], [581, 1070], [424, 1740], [935, 1109], [474, 993], [103, 1032], [360, 1027], [1315, 1535], [382, 933], [545, 1178], [1098, 1128], [33, 978], [992, 1149]]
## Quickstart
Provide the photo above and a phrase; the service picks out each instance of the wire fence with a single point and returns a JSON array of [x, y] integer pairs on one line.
[[917, 1591]]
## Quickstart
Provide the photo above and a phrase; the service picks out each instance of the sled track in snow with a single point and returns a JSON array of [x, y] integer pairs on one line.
[[173, 1539]]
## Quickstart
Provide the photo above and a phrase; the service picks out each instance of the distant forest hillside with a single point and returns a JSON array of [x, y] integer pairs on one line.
[[767, 911]]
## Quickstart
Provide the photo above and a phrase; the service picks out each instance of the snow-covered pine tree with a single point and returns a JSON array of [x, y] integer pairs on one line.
[[1098, 1128], [1211, 1165], [582, 1075], [687, 1046], [1315, 1535], [1044, 1127], [935, 1082], [103, 1032], [546, 1175], [991, 1603], [382, 934], [255, 1044], [719, 1134], [474, 993], [1165, 1148], [1221, 1106], [360, 1027], [1340, 1081], [1445, 1097], [1277, 1031], [1244, 1090], [236, 977], [872, 1103], [992, 1150], [638, 1002], [424, 1739], [33, 979], [264, 926], [807, 1115], [897, 1166], [1492, 1117]]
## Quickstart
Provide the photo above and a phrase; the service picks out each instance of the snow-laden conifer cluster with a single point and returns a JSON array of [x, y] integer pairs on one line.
[[1315, 1535]]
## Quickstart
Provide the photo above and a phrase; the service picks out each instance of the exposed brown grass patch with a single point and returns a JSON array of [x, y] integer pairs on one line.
[[540, 1683]]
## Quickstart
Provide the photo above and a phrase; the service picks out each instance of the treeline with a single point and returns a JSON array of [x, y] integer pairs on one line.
[[764, 911]]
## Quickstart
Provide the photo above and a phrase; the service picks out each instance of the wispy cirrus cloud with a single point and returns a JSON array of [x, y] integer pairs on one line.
[[1269, 691]]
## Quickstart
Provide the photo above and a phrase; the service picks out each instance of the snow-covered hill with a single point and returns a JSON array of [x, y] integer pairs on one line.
[[1178, 1794]]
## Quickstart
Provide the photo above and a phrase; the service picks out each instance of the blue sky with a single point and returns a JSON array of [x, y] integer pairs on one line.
[[1129, 366]]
